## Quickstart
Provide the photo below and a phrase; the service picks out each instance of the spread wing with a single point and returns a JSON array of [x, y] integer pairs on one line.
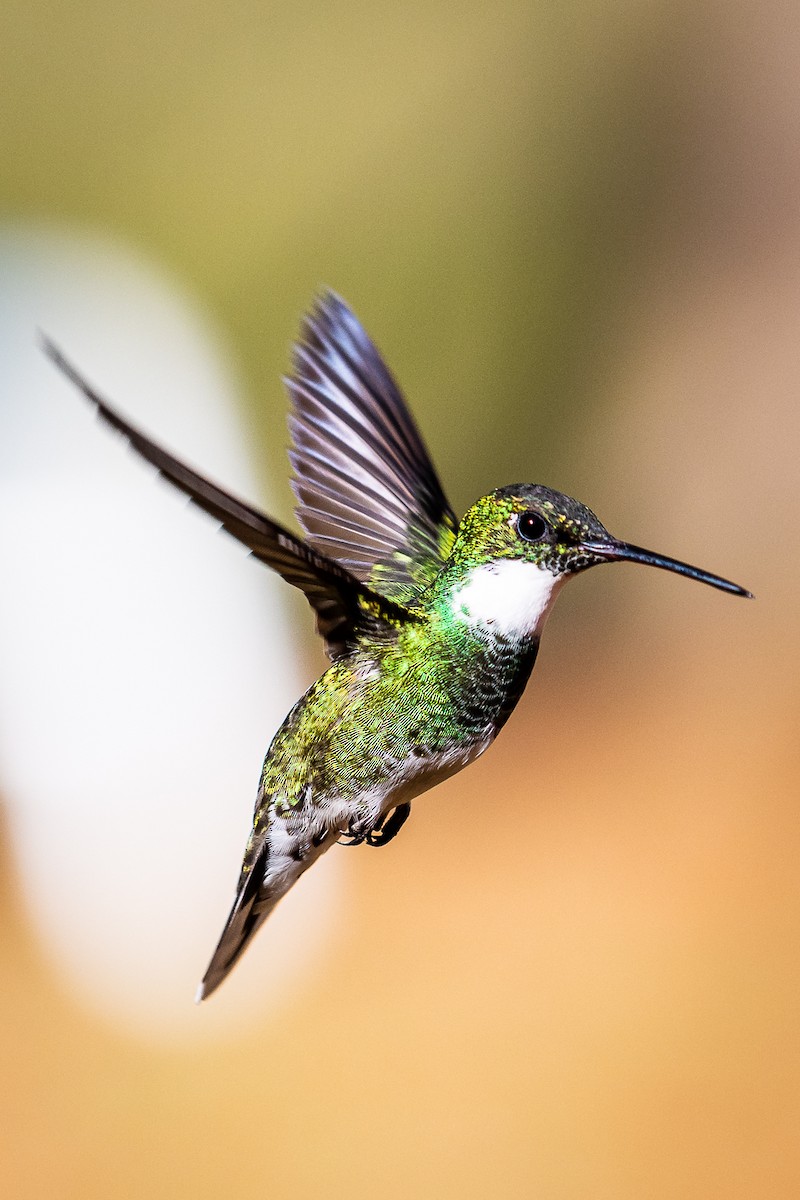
[[343, 605], [367, 492]]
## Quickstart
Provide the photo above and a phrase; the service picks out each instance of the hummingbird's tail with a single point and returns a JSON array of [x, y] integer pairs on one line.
[[252, 906], [271, 868]]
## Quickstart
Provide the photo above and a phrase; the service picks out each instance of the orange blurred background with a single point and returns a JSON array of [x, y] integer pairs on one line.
[[575, 233]]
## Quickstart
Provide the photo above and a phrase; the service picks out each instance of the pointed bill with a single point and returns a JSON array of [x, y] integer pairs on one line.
[[367, 492], [614, 551]]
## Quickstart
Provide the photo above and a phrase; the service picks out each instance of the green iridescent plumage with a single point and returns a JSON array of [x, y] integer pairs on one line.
[[432, 627]]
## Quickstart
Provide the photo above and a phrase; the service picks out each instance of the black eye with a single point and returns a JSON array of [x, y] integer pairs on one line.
[[531, 527]]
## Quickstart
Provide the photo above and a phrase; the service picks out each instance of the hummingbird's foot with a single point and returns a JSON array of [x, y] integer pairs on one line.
[[386, 829], [355, 839], [381, 832], [357, 833]]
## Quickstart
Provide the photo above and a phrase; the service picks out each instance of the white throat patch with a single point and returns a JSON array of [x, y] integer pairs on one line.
[[509, 597]]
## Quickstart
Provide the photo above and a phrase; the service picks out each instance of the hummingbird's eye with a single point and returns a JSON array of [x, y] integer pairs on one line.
[[531, 527]]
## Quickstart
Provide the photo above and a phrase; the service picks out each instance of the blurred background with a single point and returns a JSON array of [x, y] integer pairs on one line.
[[574, 231]]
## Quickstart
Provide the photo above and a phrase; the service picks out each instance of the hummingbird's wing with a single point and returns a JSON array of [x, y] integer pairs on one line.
[[367, 492], [343, 605]]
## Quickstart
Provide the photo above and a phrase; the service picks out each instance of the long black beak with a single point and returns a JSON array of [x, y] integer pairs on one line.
[[614, 551]]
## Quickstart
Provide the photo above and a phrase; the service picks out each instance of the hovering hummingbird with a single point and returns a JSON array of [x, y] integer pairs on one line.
[[432, 624]]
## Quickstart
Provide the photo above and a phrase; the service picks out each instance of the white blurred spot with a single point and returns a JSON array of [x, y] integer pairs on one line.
[[145, 661]]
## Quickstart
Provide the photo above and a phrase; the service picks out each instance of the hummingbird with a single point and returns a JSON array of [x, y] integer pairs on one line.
[[432, 625]]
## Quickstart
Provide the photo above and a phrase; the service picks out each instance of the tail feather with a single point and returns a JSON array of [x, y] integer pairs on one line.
[[288, 853], [250, 909]]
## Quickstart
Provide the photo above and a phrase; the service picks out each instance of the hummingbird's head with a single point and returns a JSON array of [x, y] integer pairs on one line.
[[529, 523], [518, 545]]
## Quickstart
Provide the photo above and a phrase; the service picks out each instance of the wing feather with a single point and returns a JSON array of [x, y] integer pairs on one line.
[[344, 606], [367, 492]]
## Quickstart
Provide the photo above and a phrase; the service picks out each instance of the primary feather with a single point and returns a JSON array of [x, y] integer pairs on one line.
[[344, 605], [367, 492]]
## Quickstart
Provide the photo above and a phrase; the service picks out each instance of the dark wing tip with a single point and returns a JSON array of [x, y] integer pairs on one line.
[[104, 409], [49, 348], [325, 322], [59, 359], [328, 303]]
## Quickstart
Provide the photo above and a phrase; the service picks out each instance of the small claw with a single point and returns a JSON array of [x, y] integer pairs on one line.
[[381, 832], [385, 830], [357, 837]]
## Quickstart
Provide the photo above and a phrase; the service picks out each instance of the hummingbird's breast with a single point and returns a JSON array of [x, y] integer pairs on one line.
[[380, 727], [441, 687], [397, 716]]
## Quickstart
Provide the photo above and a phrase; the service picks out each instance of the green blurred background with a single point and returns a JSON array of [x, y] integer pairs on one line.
[[574, 230]]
